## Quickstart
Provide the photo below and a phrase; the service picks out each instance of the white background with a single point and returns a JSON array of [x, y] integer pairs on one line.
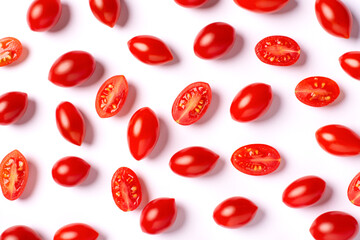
[[289, 126]]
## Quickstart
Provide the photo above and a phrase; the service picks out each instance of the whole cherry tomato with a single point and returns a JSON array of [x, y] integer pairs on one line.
[[191, 3], [214, 40], [262, 6], [12, 107], [158, 215], [70, 123], [10, 50], [19, 232], [350, 63], [106, 11], [143, 132], [76, 231], [354, 190], [42, 15], [70, 171]]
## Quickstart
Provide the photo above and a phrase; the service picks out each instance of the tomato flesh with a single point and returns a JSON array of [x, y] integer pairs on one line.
[[350, 63], [76, 231], [42, 15], [353, 191], [12, 107], [106, 11], [19, 232], [262, 6], [191, 3], [10, 50]]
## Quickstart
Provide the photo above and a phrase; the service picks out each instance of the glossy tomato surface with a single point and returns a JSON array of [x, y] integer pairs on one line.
[[191, 103], [353, 191], [158, 215], [350, 63], [10, 50], [262, 6], [251, 102], [72, 68], [12, 107], [76, 231], [106, 11], [191, 3], [70, 123], [214, 40], [70, 171], [19, 232], [126, 189], [42, 15], [111, 96]]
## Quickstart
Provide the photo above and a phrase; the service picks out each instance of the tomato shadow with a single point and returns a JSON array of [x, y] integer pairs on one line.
[[32, 180], [291, 5], [258, 218], [274, 109], [101, 236], [217, 169], [91, 178], [145, 195], [24, 55], [328, 193], [282, 165], [64, 19], [215, 103], [338, 100], [129, 102], [124, 14], [29, 113], [95, 77], [89, 129], [180, 220], [175, 59], [236, 48], [209, 4], [163, 139], [355, 27], [302, 59]]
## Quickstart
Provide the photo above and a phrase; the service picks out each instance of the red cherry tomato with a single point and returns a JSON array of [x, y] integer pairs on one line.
[[354, 190], [150, 50], [278, 51], [256, 159], [191, 103], [106, 11], [126, 189], [111, 96], [72, 68], [143, 133], [191, 3], [214, 40], [334, 225], [70, 171], [158, 215], [12, 107], [10, 50], [304, 191], [338, 140], [234, 212], [334, 17], [42, 15], [262, 6], [317, 91], [350, 63], [251, 102], [76, 231], [70, 123], [19, 232], [14, 173]]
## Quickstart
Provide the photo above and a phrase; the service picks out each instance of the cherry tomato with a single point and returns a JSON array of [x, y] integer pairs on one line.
[[338, 140], [262, 6], [256, 159], [251, 102], [14, 173], [214, 40], [126, 189], [191, 103], [70, 123], [278, 51], [106, 11], [191, 3], [111, 96], [76, 231], [42, 15], [72, 68], [334, 225], [143, 132], [334, 17], [12, 107], [354, 190], [317, 91], [350, 63], [193, 161], [304, 191], [150, 50], [10, 50], [70, 171], [158, 215], [19, 232], [234, 212]]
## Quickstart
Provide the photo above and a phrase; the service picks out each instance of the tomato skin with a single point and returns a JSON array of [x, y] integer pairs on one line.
[[42, 15], [72, 69], [262, 6], [353, 191], [70, 123], [12, 107], [10, 50], [350, 63], [191, 3], [70, 171], [334, 225], [76, 231], [334, 17], [158, 215], [19, 232], [214, 40], [106, 11]]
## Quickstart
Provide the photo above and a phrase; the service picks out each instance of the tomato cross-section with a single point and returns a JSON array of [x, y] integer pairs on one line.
[[10, 50], [354, 190]]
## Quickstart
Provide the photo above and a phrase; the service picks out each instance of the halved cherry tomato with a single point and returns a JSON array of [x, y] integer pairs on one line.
[[150, 50], [70, 171], [350, 63], [158, 215], [256, 159], [106, 11], [338, 140], [70, 123], [10, 50], [42, 15], [72, 68], [214, 40], [191, 3], [334, 17], [76, 231], [14, 173], [278, 51], [19, 232], [111, 96], [126, 189], [317, 91], [354, 190], [262, 6], [191, 103], [12, 107]]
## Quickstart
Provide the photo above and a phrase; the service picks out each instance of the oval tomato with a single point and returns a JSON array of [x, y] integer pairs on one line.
[[256, 159], [251, 102], [76, 231], [70, 171], [338, 140], [278, 51], [350, 63], [334, 17], [191, 103], [12, 107], [262, 6], [14, 173], [111, 96], [70, 123], [158, 215], [106, 11], [72, 68], [150, 50], [190, 3], [214, 40], [143, 132], [19, 232], [10, 50], [42, 15], [234, 212], [126, 189], [334, 225], [317, 91], [353, 191]]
